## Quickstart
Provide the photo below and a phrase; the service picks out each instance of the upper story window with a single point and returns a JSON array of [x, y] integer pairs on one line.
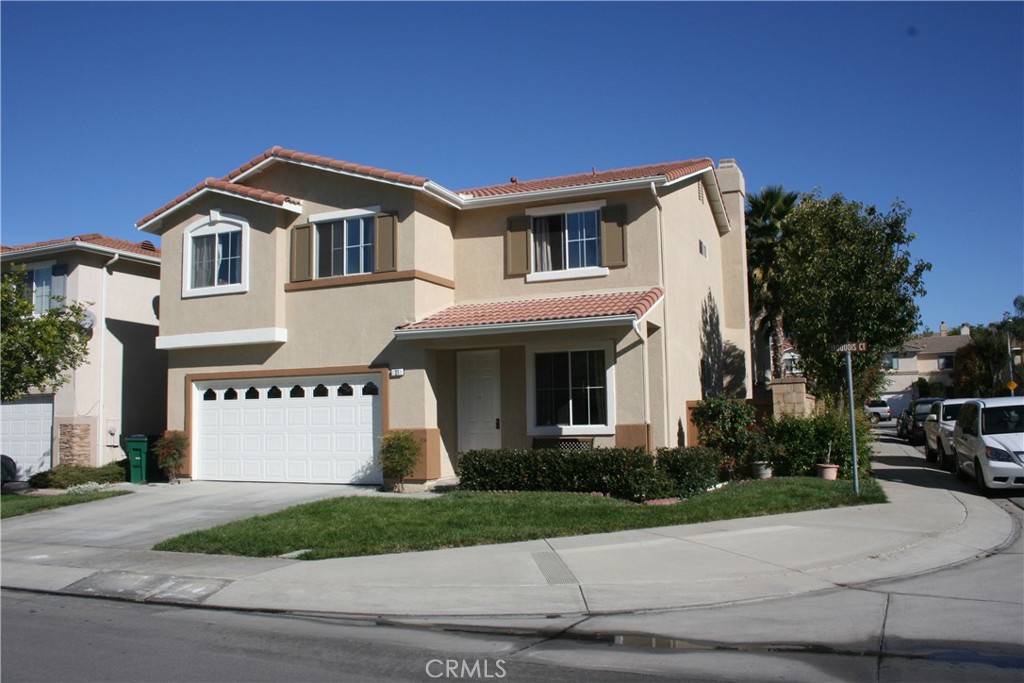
[[890, 362], [947, 362], [343, 243], [570, 240], [566, 241], [215, 256], [45, 286], [345, 247]]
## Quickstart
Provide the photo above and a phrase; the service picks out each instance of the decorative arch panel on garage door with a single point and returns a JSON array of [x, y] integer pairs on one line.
[[323, 429]]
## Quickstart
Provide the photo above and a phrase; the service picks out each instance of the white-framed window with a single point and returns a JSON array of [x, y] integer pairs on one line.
[[571, 391], [45, 285], [702, 248], [345, 247], [947, 362], [345, 242], [890, 362], [567, 238], [216, 256]]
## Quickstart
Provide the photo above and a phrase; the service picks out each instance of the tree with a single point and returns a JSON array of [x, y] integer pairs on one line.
[[847, 275], [37, 350], [983, 367], [765, 215]]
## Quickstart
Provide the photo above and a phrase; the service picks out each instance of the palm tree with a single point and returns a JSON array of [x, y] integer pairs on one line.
[[766, 213]]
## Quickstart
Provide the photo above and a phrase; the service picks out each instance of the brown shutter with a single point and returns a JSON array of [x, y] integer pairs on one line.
[[613, 236], [385, 257], [517, 245], [302, 253]]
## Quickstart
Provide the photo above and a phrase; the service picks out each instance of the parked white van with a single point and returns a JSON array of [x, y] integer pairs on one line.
[[988, 442]]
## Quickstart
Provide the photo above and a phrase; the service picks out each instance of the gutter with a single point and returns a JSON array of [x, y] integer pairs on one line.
[[21, 254]]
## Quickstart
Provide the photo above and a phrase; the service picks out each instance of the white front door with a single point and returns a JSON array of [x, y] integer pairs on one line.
[[479, 399]]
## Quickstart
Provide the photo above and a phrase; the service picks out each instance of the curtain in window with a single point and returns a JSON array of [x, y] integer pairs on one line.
[[548, 239], [204, 258]]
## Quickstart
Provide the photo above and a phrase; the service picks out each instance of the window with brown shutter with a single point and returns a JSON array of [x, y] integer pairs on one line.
[[386, 257], [517, 245], [302, 253], [613, 236]]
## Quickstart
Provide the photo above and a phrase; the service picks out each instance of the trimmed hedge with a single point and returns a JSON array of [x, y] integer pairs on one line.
[[693, 470], [626, 473], [65, 476]]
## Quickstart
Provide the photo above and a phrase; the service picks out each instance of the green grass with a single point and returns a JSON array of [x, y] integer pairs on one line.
[[13, 504], [345, 527]]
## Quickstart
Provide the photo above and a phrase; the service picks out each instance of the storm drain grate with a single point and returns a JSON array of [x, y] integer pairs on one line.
[[555, 571]]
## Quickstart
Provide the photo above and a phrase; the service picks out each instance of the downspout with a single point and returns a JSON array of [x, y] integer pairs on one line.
[[643, 376], [665, 336], [103, 345]]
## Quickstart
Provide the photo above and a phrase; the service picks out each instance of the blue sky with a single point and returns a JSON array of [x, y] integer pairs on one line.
[[109, 110]]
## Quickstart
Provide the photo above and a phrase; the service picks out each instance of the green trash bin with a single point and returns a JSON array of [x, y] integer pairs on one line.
[[137, 446]]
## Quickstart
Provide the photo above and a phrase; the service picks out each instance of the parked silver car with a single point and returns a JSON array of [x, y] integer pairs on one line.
[[938, 431], [877, 410], [988, 442]]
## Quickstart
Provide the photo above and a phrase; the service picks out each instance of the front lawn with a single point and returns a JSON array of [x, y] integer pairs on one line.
[[14, 504], [360, 525]]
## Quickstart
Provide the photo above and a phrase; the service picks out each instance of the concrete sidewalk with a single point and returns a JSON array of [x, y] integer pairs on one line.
[[924, 527]]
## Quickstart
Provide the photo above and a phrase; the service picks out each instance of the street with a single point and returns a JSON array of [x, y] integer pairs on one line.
[[964, 622]]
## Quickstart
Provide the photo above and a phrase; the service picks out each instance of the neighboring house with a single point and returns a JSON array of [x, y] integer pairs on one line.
[[929, 357], [310, 305], [121, 389]]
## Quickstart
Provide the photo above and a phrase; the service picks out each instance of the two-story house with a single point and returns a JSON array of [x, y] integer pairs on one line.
[[310, 305], [121, 389]]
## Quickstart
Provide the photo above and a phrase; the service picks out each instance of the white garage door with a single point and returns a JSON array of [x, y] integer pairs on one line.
[[26, 433], [299, 429]]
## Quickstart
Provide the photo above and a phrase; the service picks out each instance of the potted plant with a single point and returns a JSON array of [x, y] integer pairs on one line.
[[171, 451], [399, 451], [828, 470], [759, 454]]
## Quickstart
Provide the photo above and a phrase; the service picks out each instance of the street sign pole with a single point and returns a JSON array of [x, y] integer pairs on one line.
[[848, 348], [853, 422]]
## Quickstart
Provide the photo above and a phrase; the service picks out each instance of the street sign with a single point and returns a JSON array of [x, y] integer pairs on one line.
[[1011, 385], [850, 347]]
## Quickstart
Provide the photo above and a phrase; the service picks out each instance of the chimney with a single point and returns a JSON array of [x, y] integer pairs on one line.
[[965, 330], [943, 329]]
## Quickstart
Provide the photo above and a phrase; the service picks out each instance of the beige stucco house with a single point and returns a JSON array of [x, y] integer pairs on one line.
[[310, 305], [122, 387], [929, 357]]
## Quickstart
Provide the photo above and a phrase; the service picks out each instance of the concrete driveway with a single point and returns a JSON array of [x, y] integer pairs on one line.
[[153, 513]]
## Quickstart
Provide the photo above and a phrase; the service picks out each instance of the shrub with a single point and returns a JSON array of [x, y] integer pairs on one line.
[[692, 470], [725, 424], [796, 444], [399, 451], [65, 476], [619, 472], [171, 450]]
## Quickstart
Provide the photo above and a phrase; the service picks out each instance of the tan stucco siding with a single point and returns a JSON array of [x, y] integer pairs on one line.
[[432, 239], [255, 308]]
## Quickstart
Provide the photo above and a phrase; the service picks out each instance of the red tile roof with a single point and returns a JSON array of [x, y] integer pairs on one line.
[[669, 171], [222, 186], [540, 310], [328, 163], [145, 248]]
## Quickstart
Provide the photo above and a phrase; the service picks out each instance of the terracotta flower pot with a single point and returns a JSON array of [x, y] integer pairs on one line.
[[828, 471]]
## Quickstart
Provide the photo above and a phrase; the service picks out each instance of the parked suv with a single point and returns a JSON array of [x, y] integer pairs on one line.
[[938, 431], [988, 442], [877, 410], [910, 424]]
